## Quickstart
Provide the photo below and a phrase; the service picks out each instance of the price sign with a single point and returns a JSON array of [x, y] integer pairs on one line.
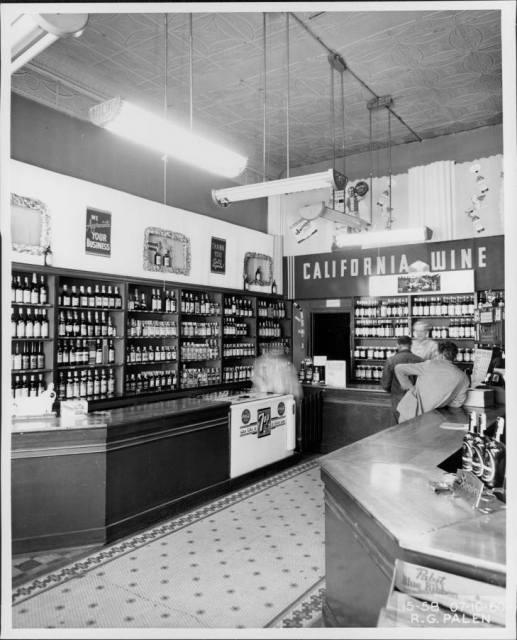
[[482, 359]]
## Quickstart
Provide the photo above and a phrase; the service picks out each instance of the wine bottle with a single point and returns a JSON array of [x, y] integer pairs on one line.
[[494, 457], [478, 446]]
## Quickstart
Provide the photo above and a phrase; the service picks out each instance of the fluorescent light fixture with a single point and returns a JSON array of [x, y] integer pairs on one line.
[[387, 237], [320, 210], [30, 33], [326, 179], [142, 127]]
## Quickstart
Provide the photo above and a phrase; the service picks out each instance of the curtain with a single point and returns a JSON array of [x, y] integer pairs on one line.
[[431, 199]]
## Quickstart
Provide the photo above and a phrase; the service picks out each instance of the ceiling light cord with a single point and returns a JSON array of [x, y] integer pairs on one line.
[[390, 221], [264, 102], [191, 69], [287, 95], [361, 82], [165, 106], [343, 114]]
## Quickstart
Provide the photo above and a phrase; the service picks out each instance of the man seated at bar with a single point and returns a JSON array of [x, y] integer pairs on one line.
[[423, 346], [439, 383], [390, 382]]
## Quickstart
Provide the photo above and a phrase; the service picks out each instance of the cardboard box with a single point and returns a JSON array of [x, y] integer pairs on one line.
[[480, 397]]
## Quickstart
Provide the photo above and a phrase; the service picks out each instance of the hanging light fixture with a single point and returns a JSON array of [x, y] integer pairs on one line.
[[141, 126], [31, 33], [330, 179], [387, 236]]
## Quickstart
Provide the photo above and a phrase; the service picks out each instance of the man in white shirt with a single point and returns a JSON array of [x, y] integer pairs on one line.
[[439, 383], [422, 345]]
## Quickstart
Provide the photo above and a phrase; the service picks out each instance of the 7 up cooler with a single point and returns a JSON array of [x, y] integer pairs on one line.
[[262, 430]]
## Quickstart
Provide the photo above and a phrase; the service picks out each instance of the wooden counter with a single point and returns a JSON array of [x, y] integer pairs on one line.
[[378, 509], [92, 480]]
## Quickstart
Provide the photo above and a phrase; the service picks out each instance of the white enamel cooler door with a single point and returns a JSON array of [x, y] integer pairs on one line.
[[262, 432]]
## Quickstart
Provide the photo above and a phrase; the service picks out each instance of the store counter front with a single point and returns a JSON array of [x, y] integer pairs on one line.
[[352, 413], [92, 479], [378, 508]]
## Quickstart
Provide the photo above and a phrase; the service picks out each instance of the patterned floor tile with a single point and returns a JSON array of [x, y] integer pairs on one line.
[[235, 563]]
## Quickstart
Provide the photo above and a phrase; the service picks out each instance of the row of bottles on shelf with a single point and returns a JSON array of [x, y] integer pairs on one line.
[[269, 329], [232, 328], [86, 324], [237, 374], [152, 328], [308, 373], [158, 301], [266, 347], [200, 329], [151, 381], [97, 297], [368, 372], [86, 383], [375, 308], [27, 386], [491, 299], [28, 356], [30, 325], [238, 350], [199, 304], [444, 306], [457, 329], [381, 329], [24, 293], [148, 353], [199, 377], [482, 455], [373, 352], [266, 309], [208, 350], [235, 306], [91, 352]]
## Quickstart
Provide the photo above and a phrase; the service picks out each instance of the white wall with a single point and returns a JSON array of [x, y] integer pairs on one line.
[[67, 199], [464, 188]]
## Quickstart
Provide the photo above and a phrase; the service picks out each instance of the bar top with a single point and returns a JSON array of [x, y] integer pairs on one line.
[[386, 474], [118, 417]]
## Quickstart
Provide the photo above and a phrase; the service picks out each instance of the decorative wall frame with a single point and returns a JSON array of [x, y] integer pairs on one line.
[[172, 248], [30, 225], [254, 261]]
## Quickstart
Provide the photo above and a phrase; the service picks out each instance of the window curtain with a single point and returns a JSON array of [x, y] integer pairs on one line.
[[431, 199]]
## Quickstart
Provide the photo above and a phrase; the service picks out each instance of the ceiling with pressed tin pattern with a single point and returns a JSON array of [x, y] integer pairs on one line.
[[442, 68]]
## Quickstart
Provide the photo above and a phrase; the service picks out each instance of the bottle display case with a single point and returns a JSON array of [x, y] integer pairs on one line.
[[108, 340], [378, 322], [32, 333], [151, 361], [89, 339]]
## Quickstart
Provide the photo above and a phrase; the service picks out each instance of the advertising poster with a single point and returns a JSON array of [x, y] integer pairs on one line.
[[98, 233]]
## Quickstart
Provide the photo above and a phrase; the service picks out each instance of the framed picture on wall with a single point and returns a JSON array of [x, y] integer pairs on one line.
[[30, 225], [258, 269], [166, 251]]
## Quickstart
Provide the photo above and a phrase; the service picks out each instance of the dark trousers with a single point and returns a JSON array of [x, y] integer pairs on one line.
[[394, 415]]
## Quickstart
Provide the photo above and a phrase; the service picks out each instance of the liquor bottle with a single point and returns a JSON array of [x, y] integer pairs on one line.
[[29, 324], [17, 359], [91, 297], [104, 297], [33, 358], [14, 287], [74, 297], [65, 296], [36, 330], [26, 291], [98, 297], [33, 388], [14, 324], [174, 306], [34, 290], [273, 287], [20, 327], [143, 303], [69, 394], [258, 275], [40, 356], [82, 385], [111, 298], [118, 299], [111, 383], [83, 298], [111, 352], [494, 457], [158, 258], [478, 446], [98, 352], [89, 384], [75, 385], [41, 385], [59, 353], [96, 383], [103, 383], [468, 439], [61, 387], [166, 258]]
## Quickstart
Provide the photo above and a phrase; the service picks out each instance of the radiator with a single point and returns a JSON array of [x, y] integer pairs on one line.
[[309, 421]]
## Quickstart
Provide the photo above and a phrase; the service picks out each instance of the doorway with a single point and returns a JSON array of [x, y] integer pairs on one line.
[[331, 337]]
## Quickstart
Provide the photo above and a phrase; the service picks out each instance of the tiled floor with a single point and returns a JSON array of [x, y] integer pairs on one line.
[[252, 559]]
